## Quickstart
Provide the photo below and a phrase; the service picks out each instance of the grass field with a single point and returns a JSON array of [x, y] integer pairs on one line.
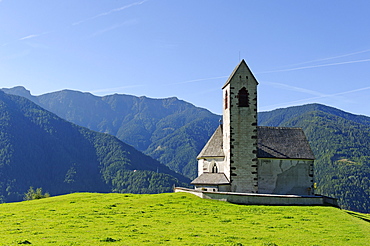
[[174, 219]]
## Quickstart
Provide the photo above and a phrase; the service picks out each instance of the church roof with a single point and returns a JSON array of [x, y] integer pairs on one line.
[[283, 143], [214, 145], [211, 179], [273, 142]]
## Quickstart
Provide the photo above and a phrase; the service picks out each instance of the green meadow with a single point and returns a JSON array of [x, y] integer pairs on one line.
[[174, 219]]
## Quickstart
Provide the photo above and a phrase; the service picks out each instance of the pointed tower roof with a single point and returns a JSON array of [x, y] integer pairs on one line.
[[242, 65]]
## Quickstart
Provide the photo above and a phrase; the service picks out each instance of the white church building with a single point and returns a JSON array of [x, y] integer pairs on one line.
[[242, 157]]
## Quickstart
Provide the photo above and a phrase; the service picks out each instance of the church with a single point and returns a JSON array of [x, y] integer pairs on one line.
[[243, 157]]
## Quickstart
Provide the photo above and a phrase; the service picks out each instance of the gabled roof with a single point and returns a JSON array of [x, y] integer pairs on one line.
[[283, 143], [213, 147], [273, 142], [240, 65], [211, 179]]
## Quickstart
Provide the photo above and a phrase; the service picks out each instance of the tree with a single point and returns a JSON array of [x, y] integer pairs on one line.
[[35, 194]]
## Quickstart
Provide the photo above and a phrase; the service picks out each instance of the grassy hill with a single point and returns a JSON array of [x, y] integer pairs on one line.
[[174, 219]]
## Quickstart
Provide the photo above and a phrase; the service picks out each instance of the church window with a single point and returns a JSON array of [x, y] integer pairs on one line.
[[243, 98], [226, 100], [214, 168]]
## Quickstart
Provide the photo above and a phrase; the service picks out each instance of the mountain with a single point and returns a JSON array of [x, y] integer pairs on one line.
[[173, 132], [39, 149], [340, 142], [170, 130]]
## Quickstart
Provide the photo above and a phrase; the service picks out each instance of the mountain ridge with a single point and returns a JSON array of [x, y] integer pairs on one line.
[[42, 150], [363, 119], [137, 121]]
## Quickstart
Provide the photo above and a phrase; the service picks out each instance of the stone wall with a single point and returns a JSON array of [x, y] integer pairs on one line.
[[240, 127], [282, 176]]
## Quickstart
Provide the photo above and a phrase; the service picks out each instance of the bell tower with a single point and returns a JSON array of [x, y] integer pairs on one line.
[[240, 129]]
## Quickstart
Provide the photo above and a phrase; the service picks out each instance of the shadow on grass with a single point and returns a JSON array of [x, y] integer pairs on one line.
[[360, 216]]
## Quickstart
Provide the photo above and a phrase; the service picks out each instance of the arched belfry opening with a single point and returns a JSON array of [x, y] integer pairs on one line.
[[214, 168], [243, 97]]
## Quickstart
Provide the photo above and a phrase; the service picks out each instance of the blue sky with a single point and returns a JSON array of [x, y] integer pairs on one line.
[[300, 51]]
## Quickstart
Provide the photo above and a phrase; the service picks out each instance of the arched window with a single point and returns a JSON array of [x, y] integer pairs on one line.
[[226, 100], [214, 168], [243, 98]]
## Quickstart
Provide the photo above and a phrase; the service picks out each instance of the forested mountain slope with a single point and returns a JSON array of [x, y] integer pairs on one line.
[[169, 130], [39, 149]]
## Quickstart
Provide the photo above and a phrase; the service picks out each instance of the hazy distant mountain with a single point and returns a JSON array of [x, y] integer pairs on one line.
[[39, 149], [169, 130], [174, 131]]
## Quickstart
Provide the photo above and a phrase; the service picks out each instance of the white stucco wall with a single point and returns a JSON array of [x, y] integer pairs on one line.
[[205, 165], [282, 176], [226, 130], [213, 188]]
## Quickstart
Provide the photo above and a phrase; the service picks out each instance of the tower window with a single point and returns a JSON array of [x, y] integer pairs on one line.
[[214, 168], [226, 100], [243, 97]]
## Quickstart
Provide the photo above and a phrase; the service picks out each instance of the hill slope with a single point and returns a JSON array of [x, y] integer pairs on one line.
[[174, 219], [39, 149], [340, 142], [169, 130]]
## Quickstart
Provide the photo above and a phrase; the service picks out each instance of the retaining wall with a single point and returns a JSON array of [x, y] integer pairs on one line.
[[262, 199]]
